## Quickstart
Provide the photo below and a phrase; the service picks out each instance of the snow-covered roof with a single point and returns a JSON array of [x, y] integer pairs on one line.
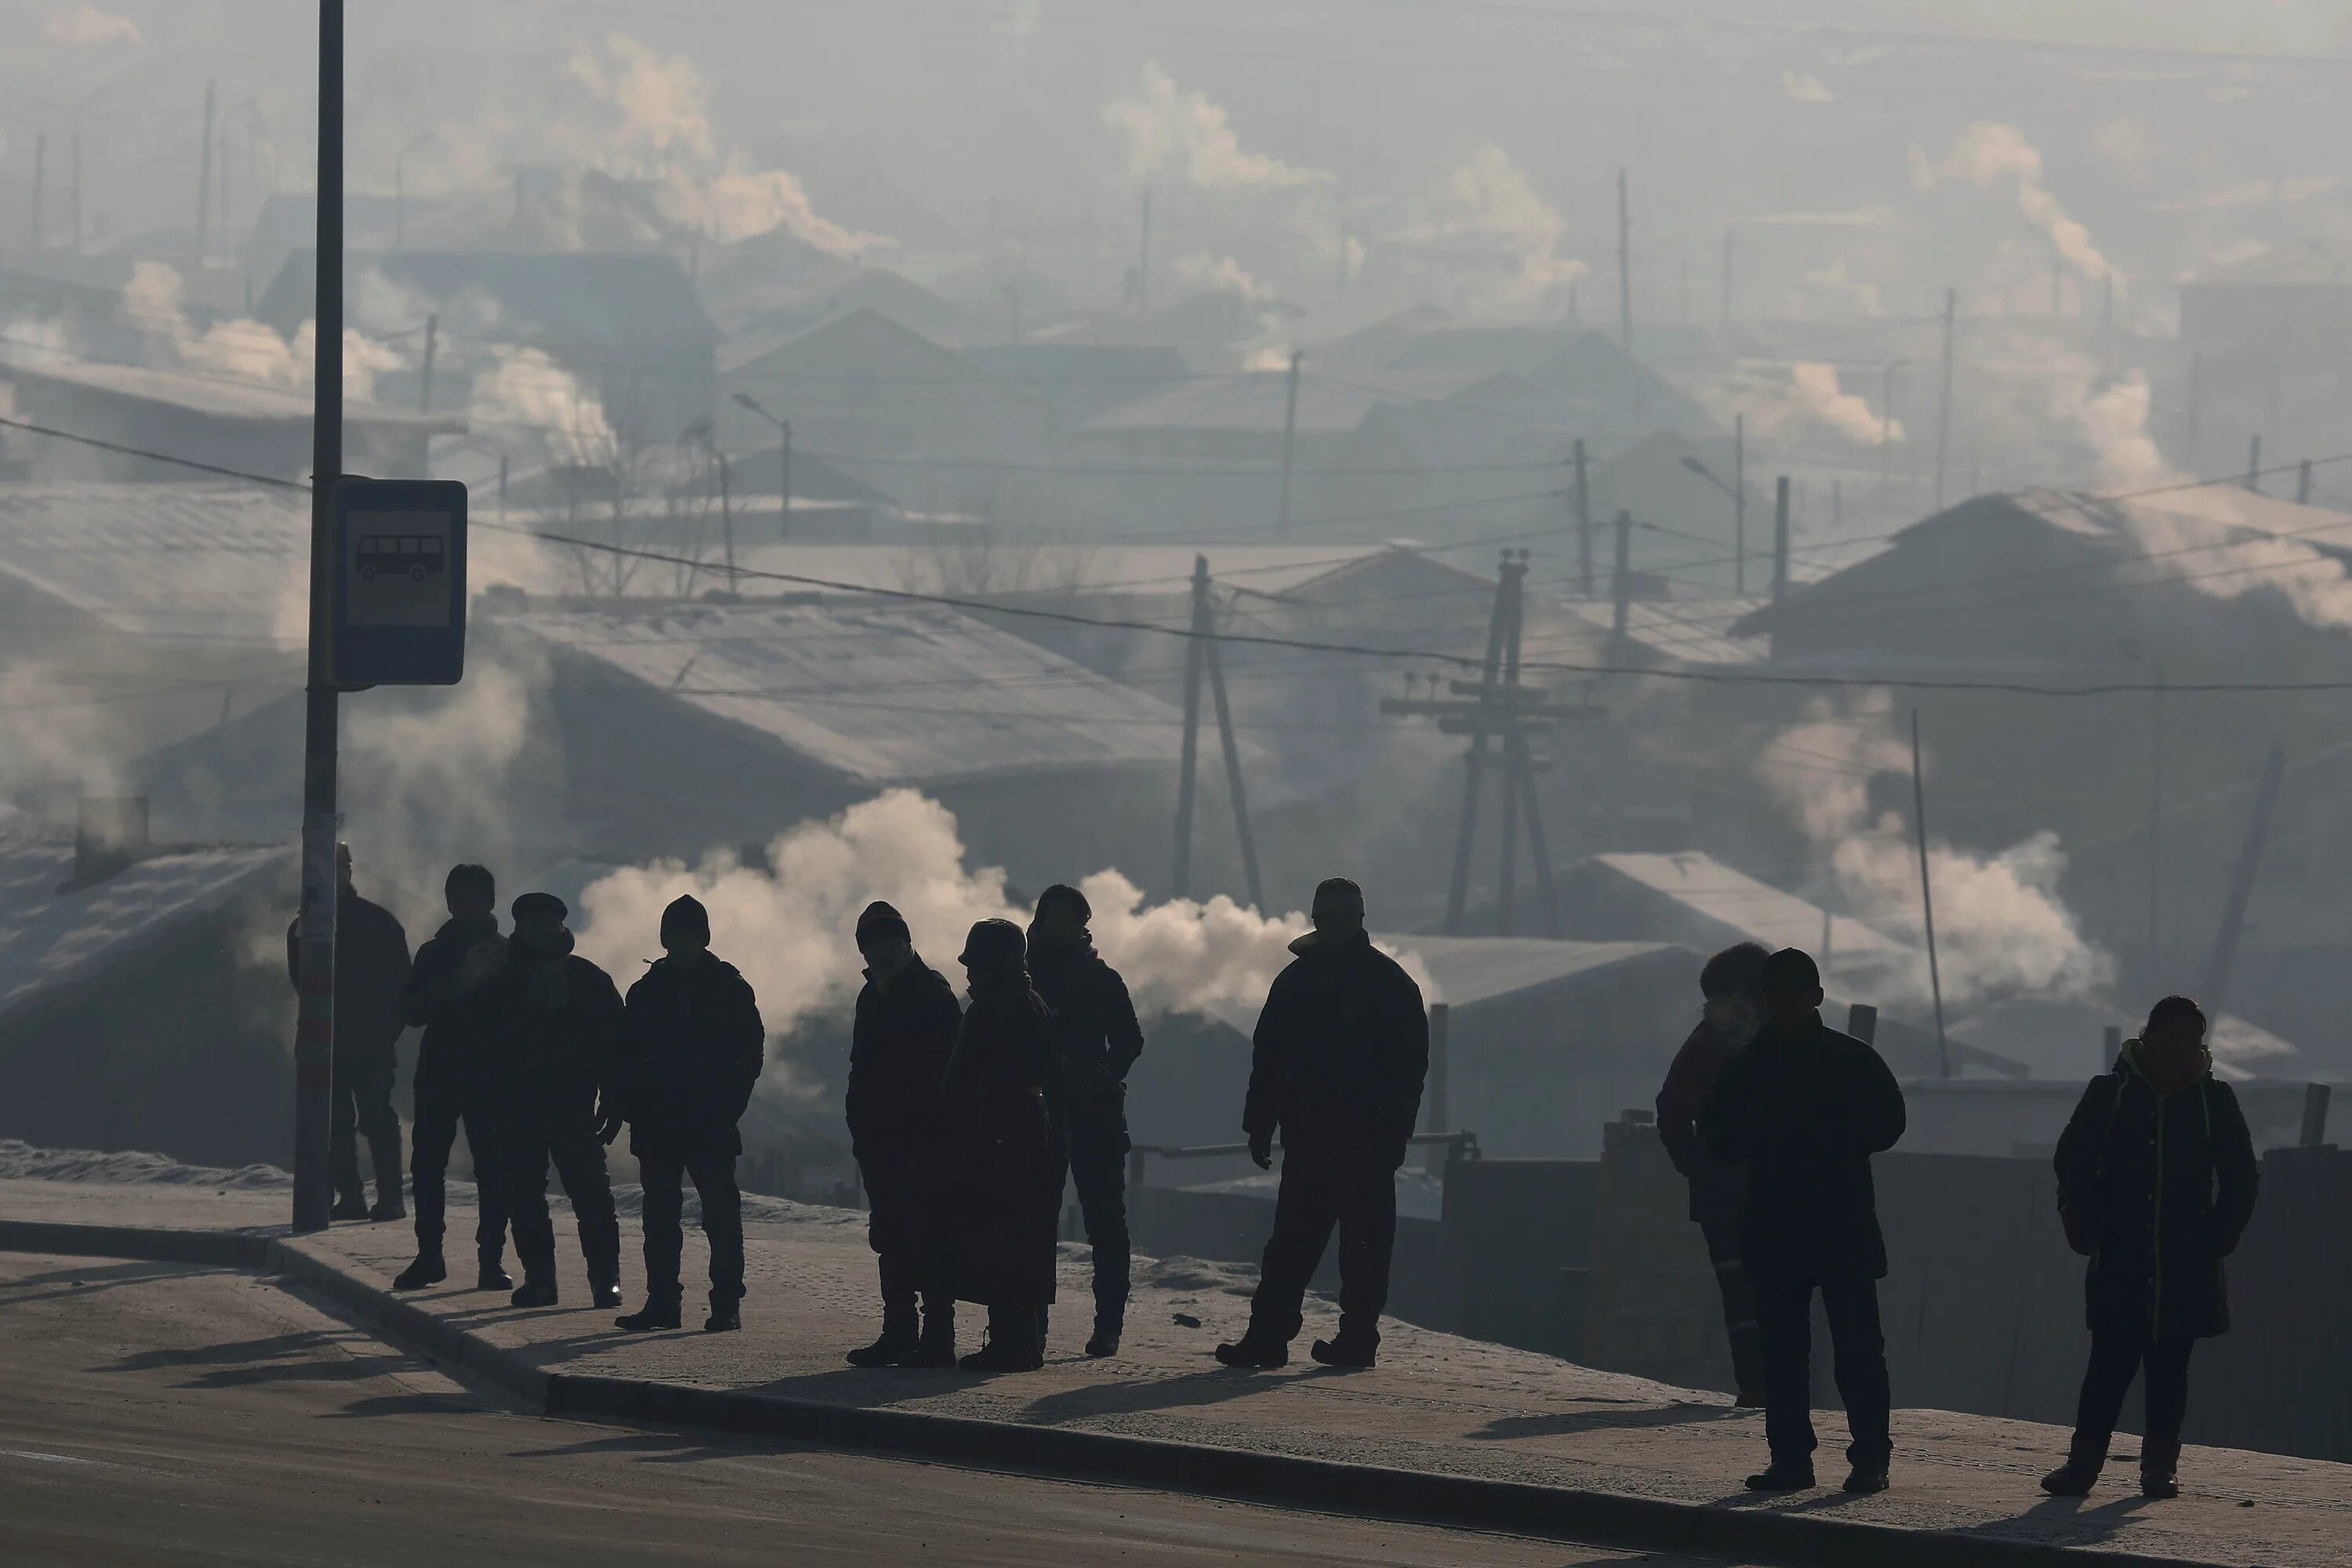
[[1259, 402], [1757, 910], [220, 397], [193, 560], [877, 695], [50, 940]]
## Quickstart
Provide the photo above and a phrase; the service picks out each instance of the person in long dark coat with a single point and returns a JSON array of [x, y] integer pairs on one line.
[[691, 1048], [1732, 982], [904, 1034], [2157, 1181], [443, 998], [1097, 1040], [1804, 1108], [1337, 1067], [371, 974], [1001, 1240], [552, 1022]]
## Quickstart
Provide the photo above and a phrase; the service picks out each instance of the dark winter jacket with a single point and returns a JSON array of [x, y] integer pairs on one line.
[[371, 973], [1804, 1110], [1000, 1182], [691, 1050], [442, 997], [551, 1032], [1717, 1190], [900, 1045], [2164, 1188], [1340, 1053], [1094, 1029]]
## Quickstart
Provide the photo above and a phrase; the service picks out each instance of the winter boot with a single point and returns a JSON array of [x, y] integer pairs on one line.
[[2085, 1459], [897, 1340], [1867, 1477], [2159, 1460], [1110, 1322], [539, 1292], [1045, 1316], [1255, 1350], [1347, 1352], [726, 1315], [387, 1178], [428, 1270], [1012, 1343], [349, 1203], [656, 1315], [604, 1293], [936, 1348], [1782, 1476], [492, 1274]]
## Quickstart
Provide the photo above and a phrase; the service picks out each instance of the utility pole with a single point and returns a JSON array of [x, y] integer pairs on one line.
[[1779, 538], [1740, 504], [1623, 585], [40, 187], [1201, 655], [1928, 899], [1944, 410], [1289, 440], [432, 345], [1497, 707], [1624, 265], [784, 479], [204, 184], [2241, 881], [726, 513], [1583, 494], [314, 1035], [2254, 464], [1143, 261]]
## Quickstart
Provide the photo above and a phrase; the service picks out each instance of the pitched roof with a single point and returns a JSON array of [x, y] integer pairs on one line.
[[876, 696], [49, 940], [220, 397], [548, 299]]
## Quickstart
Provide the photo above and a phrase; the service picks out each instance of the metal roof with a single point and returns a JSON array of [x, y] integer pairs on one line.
[[50, 940], [219, 397], [878, 695], [1762, 912]]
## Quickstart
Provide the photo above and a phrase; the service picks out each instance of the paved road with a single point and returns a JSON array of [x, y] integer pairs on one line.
[[158, 1415]]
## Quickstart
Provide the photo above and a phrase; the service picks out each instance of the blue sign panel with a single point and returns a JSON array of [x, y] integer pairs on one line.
[[400, 582]]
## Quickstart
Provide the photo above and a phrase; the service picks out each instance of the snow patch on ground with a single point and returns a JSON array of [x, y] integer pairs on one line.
[[22, 1161]]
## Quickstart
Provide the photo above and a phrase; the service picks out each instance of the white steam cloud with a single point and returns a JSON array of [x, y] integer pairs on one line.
[[1492, 202], [2001, 927], [86, 24], [523, 392], [1166, 126], [1789, 406], [1804, 87], [1992, 156], [243, 349], [789, 928]]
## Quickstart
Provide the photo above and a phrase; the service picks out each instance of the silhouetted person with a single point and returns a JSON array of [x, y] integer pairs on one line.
[[1001, 1176], [904, 1034], [371, 973], [1733, 985], [553, 1023], [2156, 1181], [444, 999], [1096, 1039], [1804, 1108], [1341, 1048], [691, 1047]]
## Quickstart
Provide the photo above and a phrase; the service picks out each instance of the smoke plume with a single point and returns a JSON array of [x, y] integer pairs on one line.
[[244, 349], [86, 24], [1166, 126], [1994, 156], [1792, 405]]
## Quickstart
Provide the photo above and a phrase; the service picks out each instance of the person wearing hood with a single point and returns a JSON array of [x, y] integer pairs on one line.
[[903, 1036], [2157, 1181], [1096, 1040], [1001, 1177], [1337, 1068], [371, 974], [552, 1022], [1732, 987], [1804, 1108], [691, 1049], [443, 998]]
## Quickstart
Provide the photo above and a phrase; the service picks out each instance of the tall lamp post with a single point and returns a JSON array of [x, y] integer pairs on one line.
[[784, 450]]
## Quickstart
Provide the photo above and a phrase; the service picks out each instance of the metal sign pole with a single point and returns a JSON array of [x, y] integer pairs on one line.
[[314, 1035]]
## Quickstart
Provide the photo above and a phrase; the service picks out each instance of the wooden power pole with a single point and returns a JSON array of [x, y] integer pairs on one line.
[[1202, 657]]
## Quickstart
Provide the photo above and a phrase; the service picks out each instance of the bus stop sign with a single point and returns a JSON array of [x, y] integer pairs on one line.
[[399, 584]]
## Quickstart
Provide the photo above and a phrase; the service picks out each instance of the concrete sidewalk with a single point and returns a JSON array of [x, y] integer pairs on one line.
[[1444, 1427]]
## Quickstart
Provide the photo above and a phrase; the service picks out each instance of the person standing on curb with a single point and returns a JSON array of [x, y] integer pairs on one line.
[[1803, 1107], [691, 1046], [1732, 983], [1097, 1040], [1000, 1244], [553, 1022], [371, 976], [1337, 1068], [904, 1034], [443, 998], [2156, 1180]]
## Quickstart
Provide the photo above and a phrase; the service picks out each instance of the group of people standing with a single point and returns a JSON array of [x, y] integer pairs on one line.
[[1772, 1117], [534, 1051]]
